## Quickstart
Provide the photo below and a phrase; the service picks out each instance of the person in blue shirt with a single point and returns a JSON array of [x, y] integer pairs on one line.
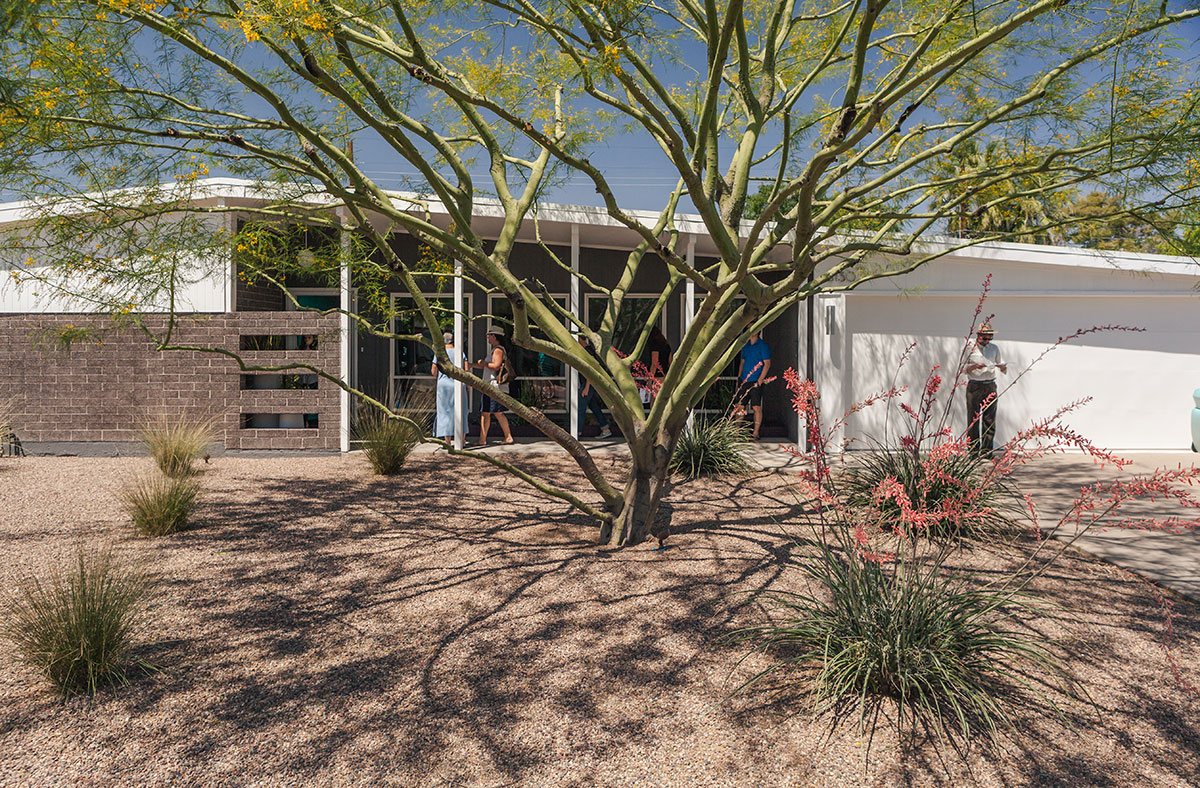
[[752, 371]]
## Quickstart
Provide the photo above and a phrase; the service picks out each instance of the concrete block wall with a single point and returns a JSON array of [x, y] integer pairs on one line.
[[257, 296], [103, 387]]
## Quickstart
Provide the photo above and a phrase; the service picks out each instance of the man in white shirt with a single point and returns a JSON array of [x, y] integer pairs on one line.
[[982, 363]]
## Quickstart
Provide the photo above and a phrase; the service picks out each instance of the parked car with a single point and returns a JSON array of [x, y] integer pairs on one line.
[[1196, 420]]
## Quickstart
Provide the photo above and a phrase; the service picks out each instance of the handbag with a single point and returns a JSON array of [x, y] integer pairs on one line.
[[506, 373]]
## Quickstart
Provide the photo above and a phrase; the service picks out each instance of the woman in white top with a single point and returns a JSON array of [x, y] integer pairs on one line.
[[491, 367], [443, 426]]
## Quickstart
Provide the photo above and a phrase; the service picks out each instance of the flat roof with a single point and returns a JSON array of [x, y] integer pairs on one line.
[[601, 230]]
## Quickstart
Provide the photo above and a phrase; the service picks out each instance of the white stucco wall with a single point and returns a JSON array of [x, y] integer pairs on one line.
[[28, 284], [1140, 383]]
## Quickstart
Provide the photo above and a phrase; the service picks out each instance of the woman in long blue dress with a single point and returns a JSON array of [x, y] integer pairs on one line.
[[443, 426]]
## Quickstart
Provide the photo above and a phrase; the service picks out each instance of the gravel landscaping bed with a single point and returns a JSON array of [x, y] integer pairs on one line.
[[319, 626]]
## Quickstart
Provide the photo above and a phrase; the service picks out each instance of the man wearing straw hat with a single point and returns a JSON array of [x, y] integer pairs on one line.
[[982, 363]]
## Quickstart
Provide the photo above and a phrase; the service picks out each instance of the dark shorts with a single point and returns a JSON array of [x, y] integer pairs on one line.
[[751, 395], [490, 405]]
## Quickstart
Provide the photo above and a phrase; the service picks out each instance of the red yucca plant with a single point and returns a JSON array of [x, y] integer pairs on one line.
[[887, 620]]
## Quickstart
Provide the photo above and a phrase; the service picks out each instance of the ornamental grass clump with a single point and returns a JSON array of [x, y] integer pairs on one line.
[[10, 444], [947, 655], [886, 620], [77, 628], [176, 444], [159, 505], [712, 447], [388, 438]]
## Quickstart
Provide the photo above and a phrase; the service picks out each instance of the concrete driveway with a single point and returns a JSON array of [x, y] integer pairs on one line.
[[1171, 559]]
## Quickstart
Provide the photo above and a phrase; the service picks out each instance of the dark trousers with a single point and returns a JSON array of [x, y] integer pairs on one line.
[[981, 419], [591, 401]]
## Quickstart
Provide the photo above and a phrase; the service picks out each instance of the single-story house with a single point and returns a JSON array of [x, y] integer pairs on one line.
[[93, 393]]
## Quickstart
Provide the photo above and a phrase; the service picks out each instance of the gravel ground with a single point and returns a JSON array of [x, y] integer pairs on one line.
[[446, 627]]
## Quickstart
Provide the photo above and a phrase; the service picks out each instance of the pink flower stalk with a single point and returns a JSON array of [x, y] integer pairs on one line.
[[940, 495]]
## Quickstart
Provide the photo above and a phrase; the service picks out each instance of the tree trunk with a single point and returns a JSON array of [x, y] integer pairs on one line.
[[635, 521]]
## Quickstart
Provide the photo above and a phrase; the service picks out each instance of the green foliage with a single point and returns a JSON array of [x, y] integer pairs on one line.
[[64, 337], [712, 447], [176, 444], [77, 628], [287, 255], [947, 654], [387, 439], [160, 505], [985, 198], [1190, 242], [1099, 221], [955, 492]]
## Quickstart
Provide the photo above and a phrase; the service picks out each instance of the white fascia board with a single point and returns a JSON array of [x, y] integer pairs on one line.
[[20, 211], [1077, 258], [596, 216]]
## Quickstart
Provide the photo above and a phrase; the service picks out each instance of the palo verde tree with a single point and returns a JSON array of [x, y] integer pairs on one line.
[[851, 122]]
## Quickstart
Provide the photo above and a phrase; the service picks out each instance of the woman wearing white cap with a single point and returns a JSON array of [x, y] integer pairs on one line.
[[443, 425]]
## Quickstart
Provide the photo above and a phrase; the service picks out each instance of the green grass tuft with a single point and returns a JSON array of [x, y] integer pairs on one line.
[[160, 505], [712, 447], [77, 629], [949, 655], [176, 444], [387, 442]]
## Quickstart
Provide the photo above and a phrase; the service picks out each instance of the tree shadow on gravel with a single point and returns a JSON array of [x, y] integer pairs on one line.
[[463, 616], [451, 626]]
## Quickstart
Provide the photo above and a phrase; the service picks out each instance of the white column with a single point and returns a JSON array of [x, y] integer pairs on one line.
[[802, 351], [573, 304], [460, 393], [229, 222], [347, 336], [832, 367], [689, 302]]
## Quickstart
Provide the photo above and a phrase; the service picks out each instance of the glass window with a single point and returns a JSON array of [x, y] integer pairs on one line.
[[541, 379], [720, 396], [412, 360], [635, 312]]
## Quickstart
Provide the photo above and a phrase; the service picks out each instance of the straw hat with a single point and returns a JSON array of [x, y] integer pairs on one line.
[[497, 330], [986, 328]]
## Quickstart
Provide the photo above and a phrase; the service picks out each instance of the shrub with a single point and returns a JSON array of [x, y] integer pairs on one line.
[[176, 444], [711, 447], [160, 505], [77, 629], [884, 616], [386, 440]]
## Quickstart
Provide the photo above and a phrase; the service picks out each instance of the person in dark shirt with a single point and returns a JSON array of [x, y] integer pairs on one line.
[[589, 398], [657, 356]]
